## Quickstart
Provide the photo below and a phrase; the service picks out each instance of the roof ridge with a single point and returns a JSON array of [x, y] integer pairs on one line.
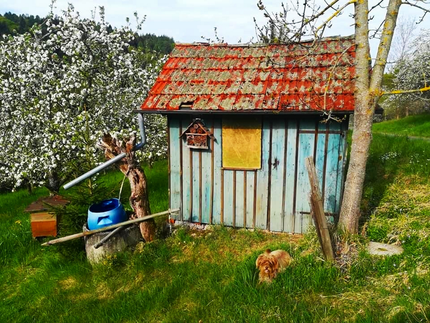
[[206, 44]]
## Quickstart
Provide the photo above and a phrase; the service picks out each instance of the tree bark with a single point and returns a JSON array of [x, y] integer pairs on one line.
[[367, 93], [130, 167], [53, 183]]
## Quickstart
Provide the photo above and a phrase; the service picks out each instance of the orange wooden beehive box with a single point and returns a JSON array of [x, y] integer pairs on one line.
[[43, 224], [42, 218]]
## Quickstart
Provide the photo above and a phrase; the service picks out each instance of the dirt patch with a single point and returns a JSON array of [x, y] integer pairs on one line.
[[68, 283], [103, 291], [209, 246]]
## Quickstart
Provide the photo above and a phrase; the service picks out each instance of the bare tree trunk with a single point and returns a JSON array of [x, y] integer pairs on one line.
[[361, 137], [130, 167], [368, 90], [53, 183], [139, 200]]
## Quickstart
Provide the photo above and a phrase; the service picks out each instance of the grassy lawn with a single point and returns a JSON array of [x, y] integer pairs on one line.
[[417, 126], [210, 275]]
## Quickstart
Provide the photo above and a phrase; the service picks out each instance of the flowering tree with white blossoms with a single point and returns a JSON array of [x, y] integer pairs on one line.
[[412, 73], [62, 89]]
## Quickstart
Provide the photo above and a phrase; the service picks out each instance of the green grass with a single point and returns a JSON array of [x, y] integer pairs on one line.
[[211, 276], [394, 159], [417, 126]]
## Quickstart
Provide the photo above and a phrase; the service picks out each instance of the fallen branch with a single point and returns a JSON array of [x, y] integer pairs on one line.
[[87, 233]]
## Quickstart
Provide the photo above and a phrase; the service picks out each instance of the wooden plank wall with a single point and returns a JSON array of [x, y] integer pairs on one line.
[[275, 197]]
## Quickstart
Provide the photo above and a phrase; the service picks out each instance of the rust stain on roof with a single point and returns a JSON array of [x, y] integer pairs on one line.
[[293, 77]]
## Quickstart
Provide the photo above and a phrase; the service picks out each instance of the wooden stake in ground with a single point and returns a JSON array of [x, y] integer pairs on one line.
[[130, 167], [318, 212]]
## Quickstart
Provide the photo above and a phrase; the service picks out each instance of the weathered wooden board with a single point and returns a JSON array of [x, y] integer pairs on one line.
[[322, 137], [196, 188], [186, 176], [216, 151], [305, 149], [291, 161], [251, 178], [240, 194], [206, 166], [263, 178], [175, 165], [228, 197], [277, 164], [331, 173]]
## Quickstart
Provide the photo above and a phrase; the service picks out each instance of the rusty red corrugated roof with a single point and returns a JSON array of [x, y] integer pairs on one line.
[[295, 77]]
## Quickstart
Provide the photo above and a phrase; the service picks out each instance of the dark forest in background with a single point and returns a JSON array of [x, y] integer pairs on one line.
[[11, 23]]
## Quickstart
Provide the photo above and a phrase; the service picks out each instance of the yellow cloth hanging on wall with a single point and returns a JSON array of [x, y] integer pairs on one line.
[[241, 143]]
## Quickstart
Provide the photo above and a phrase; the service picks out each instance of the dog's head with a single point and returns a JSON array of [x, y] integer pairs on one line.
[[267, 264]]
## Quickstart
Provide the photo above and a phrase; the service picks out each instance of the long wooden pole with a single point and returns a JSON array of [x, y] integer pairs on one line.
[[88, 233], [318, 212]]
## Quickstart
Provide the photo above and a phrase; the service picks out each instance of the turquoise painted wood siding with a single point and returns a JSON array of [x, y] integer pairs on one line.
[[274, 197]]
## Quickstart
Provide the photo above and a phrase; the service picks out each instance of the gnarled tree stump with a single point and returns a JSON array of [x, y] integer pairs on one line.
[[130, 167]]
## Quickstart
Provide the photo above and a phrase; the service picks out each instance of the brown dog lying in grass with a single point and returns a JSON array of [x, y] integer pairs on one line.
[[270, 263]]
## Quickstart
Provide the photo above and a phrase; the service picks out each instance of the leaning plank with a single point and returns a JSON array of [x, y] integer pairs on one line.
[[87, 233], [318, 211]]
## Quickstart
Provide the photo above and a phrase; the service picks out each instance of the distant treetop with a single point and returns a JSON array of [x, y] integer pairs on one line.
[[11, 23], [161, 44]]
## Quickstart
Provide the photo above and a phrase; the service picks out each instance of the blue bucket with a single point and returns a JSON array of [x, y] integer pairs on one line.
[[105, 213]]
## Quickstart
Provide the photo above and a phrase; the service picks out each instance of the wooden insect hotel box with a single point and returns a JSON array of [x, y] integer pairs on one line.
[[43, 219], [242, 119], [196, 135]]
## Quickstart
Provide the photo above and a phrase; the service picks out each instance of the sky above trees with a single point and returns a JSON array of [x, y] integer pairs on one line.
[[188, 20]]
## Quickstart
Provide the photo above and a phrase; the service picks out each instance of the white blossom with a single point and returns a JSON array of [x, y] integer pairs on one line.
[[61, 91]]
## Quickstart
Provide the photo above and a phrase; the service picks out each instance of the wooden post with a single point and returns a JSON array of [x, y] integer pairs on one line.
[[317, 206]]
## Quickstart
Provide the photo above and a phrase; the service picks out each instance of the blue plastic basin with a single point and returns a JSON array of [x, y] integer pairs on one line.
[[105, 213]]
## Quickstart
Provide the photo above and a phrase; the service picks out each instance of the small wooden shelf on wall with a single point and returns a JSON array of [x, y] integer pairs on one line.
[[42, 217]]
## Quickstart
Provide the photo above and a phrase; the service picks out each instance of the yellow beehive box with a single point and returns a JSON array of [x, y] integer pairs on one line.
[[43, 224]]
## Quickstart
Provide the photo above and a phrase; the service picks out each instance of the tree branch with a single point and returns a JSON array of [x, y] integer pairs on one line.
[[426, 11], [396, 92], [335, 14], [384, 46], [376, 5], [322, 12]]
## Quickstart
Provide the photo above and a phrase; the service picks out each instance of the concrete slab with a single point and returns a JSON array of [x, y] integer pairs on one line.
[[383, 249]]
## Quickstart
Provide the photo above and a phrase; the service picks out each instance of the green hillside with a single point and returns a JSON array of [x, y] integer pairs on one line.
[[417, 126]]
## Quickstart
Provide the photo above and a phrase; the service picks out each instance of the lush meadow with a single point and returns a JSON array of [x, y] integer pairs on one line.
[[210, 275], [415, 125]]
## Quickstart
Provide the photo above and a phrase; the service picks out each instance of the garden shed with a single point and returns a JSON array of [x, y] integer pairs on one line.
[[243, 118]]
